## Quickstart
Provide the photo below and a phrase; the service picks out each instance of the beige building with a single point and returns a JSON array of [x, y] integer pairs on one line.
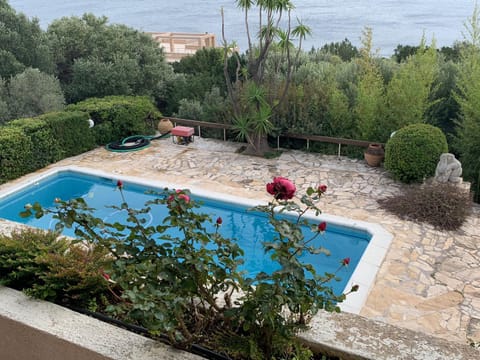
[[179, 45]]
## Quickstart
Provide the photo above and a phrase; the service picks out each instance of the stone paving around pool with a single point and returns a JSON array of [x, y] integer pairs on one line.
[[429, 280]]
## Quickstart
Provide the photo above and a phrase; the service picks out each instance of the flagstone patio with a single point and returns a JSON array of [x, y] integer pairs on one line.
[[429, 280]]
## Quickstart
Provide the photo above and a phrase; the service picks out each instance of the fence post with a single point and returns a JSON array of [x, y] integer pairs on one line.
[[199, 131], [339, 149]]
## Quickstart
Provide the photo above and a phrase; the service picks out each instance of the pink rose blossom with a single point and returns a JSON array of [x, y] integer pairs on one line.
[[322, 188]]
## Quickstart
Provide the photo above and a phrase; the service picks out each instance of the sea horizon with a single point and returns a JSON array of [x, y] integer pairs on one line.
[[392, 22]]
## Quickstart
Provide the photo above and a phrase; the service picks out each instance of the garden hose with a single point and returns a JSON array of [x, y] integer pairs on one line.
[[133, 143]]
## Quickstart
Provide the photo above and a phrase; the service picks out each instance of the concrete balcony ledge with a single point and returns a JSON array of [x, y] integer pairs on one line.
[[39, 330]]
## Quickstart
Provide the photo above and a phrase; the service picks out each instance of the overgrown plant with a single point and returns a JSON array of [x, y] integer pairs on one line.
[[168, 277], [445, 206], [277, 305], [54, 269]]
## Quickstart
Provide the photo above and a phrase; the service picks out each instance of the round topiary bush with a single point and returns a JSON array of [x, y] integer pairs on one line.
[[412, 154]]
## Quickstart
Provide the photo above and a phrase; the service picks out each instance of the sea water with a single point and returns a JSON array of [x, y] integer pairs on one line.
[[393, 22]]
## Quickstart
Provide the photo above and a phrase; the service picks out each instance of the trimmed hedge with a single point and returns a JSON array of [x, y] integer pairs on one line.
[[45, 147], [412, 154], [33, 143], [15, 153], [117, 117], [71, 131]]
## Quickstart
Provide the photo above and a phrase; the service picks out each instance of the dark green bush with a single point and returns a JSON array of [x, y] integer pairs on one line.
[[412, 154], [53, 269], [444, 206], [117, 117], [71, 131], [15, 153], [45, 147]]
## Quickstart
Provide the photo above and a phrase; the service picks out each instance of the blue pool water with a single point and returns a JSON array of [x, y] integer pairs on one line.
[[250, 229]]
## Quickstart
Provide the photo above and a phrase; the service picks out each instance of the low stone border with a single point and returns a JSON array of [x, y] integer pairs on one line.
[[353, 337], [34, 329]]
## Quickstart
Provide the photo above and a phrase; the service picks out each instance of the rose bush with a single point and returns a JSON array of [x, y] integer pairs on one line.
[[170, 281]]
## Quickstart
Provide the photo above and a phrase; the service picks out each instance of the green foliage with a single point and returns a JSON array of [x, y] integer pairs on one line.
[[30, 144], [444, 107], [45, 147], [344, 49], [33, 93], [370, 102], [94, 59], [4, 113], [445, 206], [169, 276], [53, 269], [15, 153], [275, 306], [408, 93], [402, 52], [22, 43], [203, 71], [71, 132], [412, 154], [468, 97], [117, 117]]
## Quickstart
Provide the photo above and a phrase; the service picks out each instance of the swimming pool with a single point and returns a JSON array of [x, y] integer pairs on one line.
[[250, 229]]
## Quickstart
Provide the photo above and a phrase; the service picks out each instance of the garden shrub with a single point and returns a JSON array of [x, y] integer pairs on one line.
[[445, 206], [71, 131], [170, 281], [45, 147], [117, 117], [412, 154], [53, 269], [15, 153]]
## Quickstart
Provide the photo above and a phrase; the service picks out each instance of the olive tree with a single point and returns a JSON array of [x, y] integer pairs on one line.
[[95, 59], [33, 93], [22, 43]]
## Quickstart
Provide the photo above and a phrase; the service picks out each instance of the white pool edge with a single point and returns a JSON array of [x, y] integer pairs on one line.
[[364, 274]]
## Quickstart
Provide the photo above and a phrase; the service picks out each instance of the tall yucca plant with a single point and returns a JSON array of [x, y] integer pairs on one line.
[[270, 14]]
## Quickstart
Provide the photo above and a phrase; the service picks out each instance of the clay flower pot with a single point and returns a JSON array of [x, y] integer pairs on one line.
[[374, 155], [164, 126]]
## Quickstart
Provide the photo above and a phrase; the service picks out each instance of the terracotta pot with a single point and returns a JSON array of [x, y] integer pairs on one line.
[[374, 155], [164, 126]]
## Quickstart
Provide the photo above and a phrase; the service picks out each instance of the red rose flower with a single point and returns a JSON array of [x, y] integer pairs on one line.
[[219, 221], [120, 184], [322, 188], [322, 226], [346, 261], [355, 288], [281, 188]]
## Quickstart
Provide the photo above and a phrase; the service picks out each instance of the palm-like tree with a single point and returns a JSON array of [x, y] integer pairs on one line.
[[270, 14]]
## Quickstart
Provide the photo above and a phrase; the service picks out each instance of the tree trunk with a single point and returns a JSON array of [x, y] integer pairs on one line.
[[258, 146]]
